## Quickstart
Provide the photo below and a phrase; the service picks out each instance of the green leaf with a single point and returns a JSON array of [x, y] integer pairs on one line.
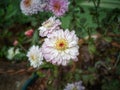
[[118, 70], [88, 79], [35, 37], [92, 48], [111, 85], [40, 74], [85, 79], [66, 21], [87, 19], [77, 76], [91, 69], [2, 12], [11, 11], [19, 56], [108, 39]]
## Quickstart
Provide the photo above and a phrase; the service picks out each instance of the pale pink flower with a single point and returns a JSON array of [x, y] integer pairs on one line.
[[75, 86], [61, 47], [29, 33], [29, 7], [58, 7], [49, 26], [15, 43]]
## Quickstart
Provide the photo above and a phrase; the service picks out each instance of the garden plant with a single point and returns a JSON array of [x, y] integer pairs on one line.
[[67, 44]]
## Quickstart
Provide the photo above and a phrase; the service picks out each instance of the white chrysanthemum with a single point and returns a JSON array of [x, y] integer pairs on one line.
[[30, 7], [35, 56], [75, 86], [12, 52], [60, 47], [49, 26]]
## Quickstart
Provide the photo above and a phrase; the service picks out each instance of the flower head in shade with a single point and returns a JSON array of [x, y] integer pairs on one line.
[[49, 26], [12, 52], [30, 7], [60, 47], [58, 7], [29, 33], [75, 86], [35, 56]]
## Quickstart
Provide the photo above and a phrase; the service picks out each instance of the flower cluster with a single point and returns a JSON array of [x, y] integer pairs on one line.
[[59, 47], [58, 7], [75, 86]]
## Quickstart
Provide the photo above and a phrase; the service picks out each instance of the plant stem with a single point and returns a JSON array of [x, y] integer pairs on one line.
[[73, 15], [89, 34], [22, 47], [96, 11], [118, 59]]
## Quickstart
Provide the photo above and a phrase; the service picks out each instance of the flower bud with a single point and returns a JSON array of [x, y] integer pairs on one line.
[[29, 33]]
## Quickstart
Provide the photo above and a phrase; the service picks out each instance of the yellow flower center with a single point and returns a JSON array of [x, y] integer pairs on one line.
[[61, 44], [27, 3], [47, 24], [75, 88], [33, 57]]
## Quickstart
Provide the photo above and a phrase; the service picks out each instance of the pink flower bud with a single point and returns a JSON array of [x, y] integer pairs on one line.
[[15, 43], [29, 33]]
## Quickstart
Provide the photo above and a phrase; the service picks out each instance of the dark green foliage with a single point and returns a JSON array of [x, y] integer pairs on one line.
[[99, 59], [111, 85]]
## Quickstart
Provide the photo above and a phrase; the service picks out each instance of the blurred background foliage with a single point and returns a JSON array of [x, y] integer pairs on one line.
[[99, 60]]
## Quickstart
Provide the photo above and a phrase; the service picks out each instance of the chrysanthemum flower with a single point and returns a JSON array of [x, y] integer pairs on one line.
[[30, 7], [75, 86], [58, 7], [60, 47], [35, 56], [49, 26]]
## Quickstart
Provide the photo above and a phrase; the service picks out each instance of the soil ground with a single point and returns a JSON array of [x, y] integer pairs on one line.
[[13, 75]]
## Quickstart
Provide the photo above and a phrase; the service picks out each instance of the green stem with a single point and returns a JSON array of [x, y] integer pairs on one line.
[[73, 15], [96, 11], [89, 34], [22, 47], [56, 71], [118, 59]]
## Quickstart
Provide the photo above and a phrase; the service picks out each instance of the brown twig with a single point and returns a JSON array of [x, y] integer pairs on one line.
[[115, 44], [14, 72]]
